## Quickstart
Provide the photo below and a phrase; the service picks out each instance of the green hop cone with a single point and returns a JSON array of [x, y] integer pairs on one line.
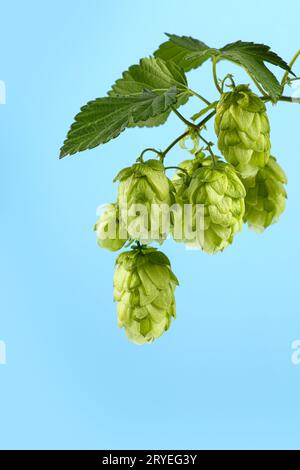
[[144, 195], [266, 196], [107, 228], [215, 195], [144, 287], [243, 130]]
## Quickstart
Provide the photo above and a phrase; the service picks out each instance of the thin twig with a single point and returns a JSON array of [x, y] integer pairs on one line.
[[288, 99], [150, 149], [186, 133], [284, 78], [200, 97]]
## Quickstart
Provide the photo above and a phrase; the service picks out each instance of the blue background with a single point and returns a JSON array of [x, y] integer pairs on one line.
[[222, 377]]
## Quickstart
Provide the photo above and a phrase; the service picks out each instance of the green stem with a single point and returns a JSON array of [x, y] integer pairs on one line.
[[206, 119], [182, 118], [214, 69], [204, 110], [289, 99], [205, 141], [285, 76], [200, 97]]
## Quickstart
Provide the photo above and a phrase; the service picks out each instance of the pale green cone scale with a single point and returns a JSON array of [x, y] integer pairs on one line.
[[144, 286], [243, 130], [144, 184], [219, 194], [107, 229], [266, 196]]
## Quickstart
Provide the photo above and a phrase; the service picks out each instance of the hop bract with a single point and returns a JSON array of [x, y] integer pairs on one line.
[[243, 130], [266, 196], [214, 197], [144, 197], [144, 287], [108, 231]]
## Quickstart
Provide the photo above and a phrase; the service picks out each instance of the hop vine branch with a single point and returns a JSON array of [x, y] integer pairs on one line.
[[211, 196]]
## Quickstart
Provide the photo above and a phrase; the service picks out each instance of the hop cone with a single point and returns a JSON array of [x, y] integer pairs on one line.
[[144, 186], [243, 130], [144, 289], [219, 191], [107, 228], [187, 167], [266, 196]]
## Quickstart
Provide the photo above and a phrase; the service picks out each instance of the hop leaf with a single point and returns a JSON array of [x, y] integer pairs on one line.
[[243, 130], [144, 195], [218, 192]]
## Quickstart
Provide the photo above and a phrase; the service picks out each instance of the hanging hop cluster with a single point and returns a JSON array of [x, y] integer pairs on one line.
[[204, 206]]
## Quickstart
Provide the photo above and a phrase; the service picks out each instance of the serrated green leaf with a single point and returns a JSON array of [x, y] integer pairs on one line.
[[178, 49], [155, 75], [105, 118], [191, 53]]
